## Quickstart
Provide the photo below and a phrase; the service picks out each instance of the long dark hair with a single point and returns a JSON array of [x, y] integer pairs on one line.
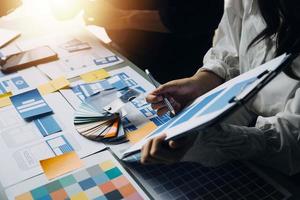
[[282, 19]]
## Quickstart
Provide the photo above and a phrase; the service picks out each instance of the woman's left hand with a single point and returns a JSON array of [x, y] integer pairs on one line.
[[156, 151]]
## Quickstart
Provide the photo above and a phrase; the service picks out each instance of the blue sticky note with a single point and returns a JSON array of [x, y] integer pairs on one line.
[[30, 104], [47, 125]]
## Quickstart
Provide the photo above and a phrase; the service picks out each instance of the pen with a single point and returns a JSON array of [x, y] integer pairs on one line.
[[167, 102]]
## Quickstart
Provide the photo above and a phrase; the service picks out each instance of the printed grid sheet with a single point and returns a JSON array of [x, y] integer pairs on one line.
[[192, 181]]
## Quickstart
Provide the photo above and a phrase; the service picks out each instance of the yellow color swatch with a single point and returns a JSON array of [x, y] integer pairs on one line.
[[80, 196], [5, 100], [59, 165], [95, 75], [107, 165], [139, 134], [54, 85], [25, 196]]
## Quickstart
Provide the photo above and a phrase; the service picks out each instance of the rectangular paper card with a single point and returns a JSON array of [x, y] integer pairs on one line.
[[47, 125], [30, 104], [59, 165]]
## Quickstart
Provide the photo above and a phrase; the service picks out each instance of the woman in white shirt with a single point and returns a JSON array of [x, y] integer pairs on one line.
[[251, 32]]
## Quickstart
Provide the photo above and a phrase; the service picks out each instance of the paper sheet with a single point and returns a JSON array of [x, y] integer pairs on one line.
[[60, 165], [23, 145], [101, 175], [22, 81], [70, 64]]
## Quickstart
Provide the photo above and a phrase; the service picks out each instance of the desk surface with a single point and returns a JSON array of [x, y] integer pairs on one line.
[[37, 28]]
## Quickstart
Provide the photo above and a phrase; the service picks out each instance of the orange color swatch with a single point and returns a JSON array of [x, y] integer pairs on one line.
[[113, 131], [62, 164], [138, 135]]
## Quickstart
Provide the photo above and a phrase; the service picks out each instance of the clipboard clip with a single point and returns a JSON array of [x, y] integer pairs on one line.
[[236, 99]]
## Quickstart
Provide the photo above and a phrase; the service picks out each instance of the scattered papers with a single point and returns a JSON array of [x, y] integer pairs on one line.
[[7, 36], [24, 145], [47, 125], [93, 76], [90, 89], [30, 104], [141, 133], [54, 85], [59, 165]]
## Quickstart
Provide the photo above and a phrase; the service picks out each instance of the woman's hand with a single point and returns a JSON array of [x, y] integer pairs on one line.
[[156, 151], [181, 92]]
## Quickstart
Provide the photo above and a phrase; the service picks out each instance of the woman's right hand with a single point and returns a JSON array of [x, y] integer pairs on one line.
[[181, 92]]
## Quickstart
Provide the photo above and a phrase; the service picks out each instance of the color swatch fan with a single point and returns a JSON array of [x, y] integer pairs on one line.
[[97, 124]]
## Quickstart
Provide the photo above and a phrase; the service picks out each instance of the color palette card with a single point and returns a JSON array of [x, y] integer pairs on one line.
[[97, 125], [103, 179], [30, 104]]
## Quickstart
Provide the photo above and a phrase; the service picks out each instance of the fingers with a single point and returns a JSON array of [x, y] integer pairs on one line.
[[162, 111], [155, 153], [180, 143], [168, 87], [154, 98]]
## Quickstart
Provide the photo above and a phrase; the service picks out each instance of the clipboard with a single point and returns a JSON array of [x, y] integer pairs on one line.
[[218, 105]]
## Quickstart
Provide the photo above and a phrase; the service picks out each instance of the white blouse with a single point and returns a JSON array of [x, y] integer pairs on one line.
[[275, 138]]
